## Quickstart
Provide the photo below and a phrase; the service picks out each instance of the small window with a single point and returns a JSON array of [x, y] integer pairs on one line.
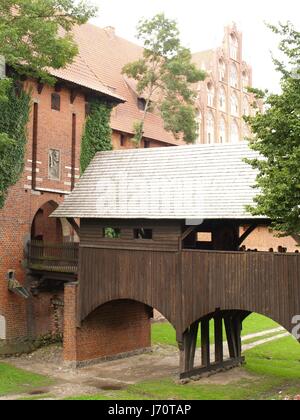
[[146, 144], [111, 233], [55, 101], [143, 234], [141, 104], [122, 140], [204, 237]]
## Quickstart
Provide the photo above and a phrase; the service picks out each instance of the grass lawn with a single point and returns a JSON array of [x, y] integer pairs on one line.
[[164, 333], [17, 381], [270, 368], [274, 369]]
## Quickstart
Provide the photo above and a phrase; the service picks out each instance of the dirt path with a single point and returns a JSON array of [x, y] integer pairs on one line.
[[162, 362]]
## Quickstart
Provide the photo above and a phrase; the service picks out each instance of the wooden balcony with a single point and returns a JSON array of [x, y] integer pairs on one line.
[[55, 258]]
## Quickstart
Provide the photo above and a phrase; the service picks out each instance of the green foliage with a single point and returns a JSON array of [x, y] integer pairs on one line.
[[14, 115], [164, 334], [165, 77], [277, 138], [14, 381], [112, 233], [35, 34], [97, 134]]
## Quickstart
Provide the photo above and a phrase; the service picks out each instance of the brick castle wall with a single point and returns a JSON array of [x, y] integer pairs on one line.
[[23, 202]]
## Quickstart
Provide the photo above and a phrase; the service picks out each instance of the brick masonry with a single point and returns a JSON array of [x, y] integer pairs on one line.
[[116, 328]]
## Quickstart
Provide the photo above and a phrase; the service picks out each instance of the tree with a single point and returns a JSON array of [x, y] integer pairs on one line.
[[277, 139], [164, 76], [36, 34]]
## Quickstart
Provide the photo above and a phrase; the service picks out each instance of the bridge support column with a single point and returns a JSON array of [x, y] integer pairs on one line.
[[233, 327], [188, 348]]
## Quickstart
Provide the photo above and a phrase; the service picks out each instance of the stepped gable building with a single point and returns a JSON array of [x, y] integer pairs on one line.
[[223, 98]]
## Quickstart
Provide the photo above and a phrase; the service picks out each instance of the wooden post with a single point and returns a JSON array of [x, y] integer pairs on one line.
[[238, 332], [194, 335], [189, 347], [205, 344], [181, 357], [219, 354], [231, 337]]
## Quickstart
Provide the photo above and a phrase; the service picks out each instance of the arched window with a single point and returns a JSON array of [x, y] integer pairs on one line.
[[246, 106], [222, 71], [235, 136], [199, 126], [222, 129], [222, 99], [210, 94], [245, 80], [234, 105], [246, 131], [234, 78], [233, 47], [210, 128]]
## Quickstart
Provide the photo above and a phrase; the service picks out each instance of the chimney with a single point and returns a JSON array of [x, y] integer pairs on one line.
[[110, 31]]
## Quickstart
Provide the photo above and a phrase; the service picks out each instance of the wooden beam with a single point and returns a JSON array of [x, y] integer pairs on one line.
[[187, 232], [219, 352], [213, 368], [205, 344], [74, 225], [189, 347], [231, 337], [194, 334], [238, 331], [181, 357], [247, 233]]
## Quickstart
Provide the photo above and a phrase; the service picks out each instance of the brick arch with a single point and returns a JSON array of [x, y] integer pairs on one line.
[[115, 329], [150, 305], [43, 228]]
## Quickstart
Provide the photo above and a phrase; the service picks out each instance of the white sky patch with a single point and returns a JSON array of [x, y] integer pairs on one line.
[[201, 24]]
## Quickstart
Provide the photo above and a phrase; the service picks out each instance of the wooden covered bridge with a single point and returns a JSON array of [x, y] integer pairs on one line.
[[160, 228]]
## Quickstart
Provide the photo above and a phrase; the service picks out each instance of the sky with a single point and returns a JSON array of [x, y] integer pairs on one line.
[[202, 23]]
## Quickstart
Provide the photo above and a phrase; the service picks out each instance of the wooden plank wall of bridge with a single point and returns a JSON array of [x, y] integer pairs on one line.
[[266, 283], [187, 285]]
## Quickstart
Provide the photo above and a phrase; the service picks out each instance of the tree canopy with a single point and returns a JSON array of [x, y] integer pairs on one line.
[[165, 76], [277, 139], [36, 34]]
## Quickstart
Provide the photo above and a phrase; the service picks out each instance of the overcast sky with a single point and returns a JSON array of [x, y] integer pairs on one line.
[[201, 24]]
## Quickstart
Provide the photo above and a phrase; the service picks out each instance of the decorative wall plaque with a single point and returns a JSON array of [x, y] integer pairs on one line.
[[54, 164]]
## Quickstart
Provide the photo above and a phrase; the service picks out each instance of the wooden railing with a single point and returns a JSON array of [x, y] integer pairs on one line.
[[61, 258]]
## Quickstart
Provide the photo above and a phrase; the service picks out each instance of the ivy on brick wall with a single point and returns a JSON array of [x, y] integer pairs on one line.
[[97, 134], [14, 116]]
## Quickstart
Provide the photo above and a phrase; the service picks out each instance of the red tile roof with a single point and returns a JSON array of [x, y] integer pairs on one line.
[[98, 66]]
